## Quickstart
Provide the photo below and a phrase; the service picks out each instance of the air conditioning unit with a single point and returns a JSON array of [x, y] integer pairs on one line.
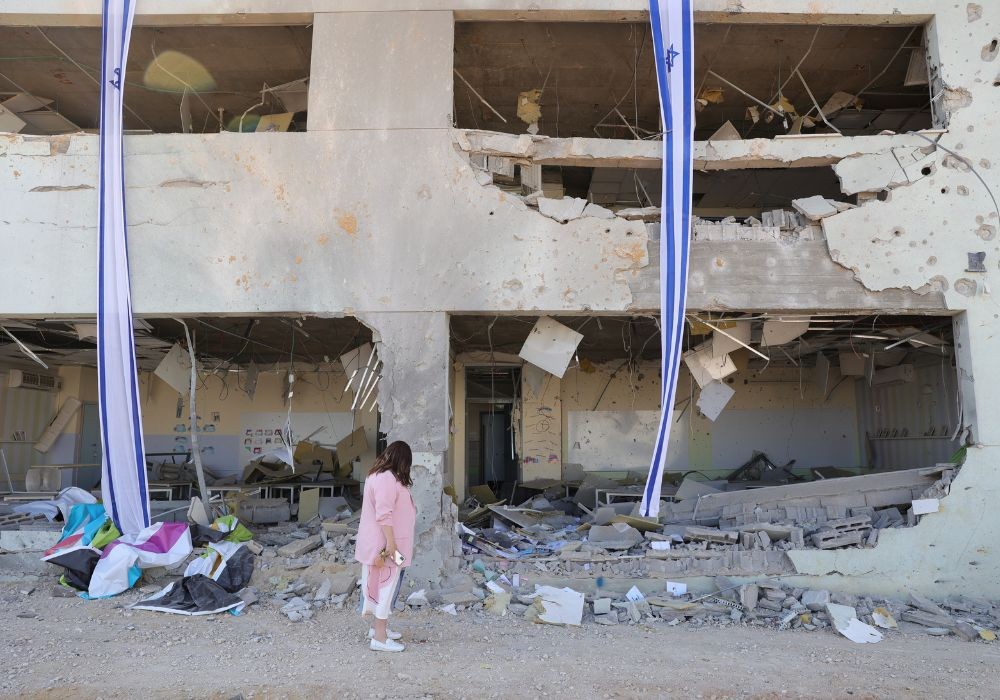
[[19, 379]]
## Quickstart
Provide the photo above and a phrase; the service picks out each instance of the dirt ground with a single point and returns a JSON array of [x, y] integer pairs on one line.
[[73, 648]]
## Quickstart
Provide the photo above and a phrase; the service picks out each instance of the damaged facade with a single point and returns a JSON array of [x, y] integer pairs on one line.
[[445, 179]]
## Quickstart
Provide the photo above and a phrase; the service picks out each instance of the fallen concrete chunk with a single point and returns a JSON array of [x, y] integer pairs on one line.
[[927, 619], [710, 534], [497, 603], [297, 548], [562, 210], [815, 208], [614, 536], [929, 606], [343, 582], [417, 599], [965, 631], [602, 606], [816, 600]]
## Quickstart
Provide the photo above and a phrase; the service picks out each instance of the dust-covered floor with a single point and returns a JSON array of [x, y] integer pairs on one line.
[[73, 648]]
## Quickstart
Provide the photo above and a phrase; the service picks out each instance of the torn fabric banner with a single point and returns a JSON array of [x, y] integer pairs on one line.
[[121, 563], [673, 47], [123, 466]]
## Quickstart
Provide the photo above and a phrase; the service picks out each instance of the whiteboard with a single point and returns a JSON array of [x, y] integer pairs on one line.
[[623, 440]]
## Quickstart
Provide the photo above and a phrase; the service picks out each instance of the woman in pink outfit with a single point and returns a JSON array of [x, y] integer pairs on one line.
[[385, 539]]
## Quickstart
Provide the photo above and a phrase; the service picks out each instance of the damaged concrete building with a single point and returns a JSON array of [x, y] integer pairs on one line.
[[310, 179]]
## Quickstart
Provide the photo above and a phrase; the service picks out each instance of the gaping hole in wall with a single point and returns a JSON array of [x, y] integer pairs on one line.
[[827, 428], [195, 79], [578, 79], [272, 393], [786, 199]]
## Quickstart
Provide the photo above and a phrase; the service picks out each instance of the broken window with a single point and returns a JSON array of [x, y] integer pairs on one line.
[[581, 79], [197, 79]]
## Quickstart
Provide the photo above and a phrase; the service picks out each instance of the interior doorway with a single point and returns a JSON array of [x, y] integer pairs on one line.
[[491, 393]]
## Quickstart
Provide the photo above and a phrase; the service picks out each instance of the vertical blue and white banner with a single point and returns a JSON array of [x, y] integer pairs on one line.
[[123, 468], [673, 46]]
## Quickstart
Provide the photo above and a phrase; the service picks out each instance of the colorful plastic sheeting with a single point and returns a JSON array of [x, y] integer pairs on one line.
[[160, 544]]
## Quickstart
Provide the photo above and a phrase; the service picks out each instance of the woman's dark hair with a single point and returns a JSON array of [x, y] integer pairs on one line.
[[397, 459]]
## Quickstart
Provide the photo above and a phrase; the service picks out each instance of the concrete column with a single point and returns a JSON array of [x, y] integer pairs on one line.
[[381, 70], [413, 397]]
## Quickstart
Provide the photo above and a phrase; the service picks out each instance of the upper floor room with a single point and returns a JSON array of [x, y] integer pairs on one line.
[[554, 69]]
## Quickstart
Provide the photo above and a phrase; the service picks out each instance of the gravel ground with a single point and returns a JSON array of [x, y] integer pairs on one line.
[[71, 648]]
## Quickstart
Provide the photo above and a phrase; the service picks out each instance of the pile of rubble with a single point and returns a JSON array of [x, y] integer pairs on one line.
[[306, 569], [710, 528]]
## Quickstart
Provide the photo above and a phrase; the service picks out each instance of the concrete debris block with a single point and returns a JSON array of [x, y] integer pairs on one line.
[[710, 534], [459, 598], [927, 619], [449, 609], [248, 595], [639, 213], [418, 599], [937, 631], [816, 600], [614, 536], [323, 592], [596, 210], [344, 582], [749, 594], [815, 208], [602, 606], [59, 591], [923, 506], [297, 548], [562, 210], [255, 547], [496, 604], [928, 606], [608, 619], [965, 631]]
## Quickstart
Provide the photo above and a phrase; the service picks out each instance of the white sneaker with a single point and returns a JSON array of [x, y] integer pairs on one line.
[[389, 634], [387, 645]]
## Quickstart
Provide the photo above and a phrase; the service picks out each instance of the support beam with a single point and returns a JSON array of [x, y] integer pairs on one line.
[[781, 152]]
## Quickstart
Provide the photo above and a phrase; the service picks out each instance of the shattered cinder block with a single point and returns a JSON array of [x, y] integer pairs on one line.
[[297, 548], [710, 534]]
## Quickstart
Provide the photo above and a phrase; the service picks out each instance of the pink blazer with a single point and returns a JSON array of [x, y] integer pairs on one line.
[[386, 502]]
